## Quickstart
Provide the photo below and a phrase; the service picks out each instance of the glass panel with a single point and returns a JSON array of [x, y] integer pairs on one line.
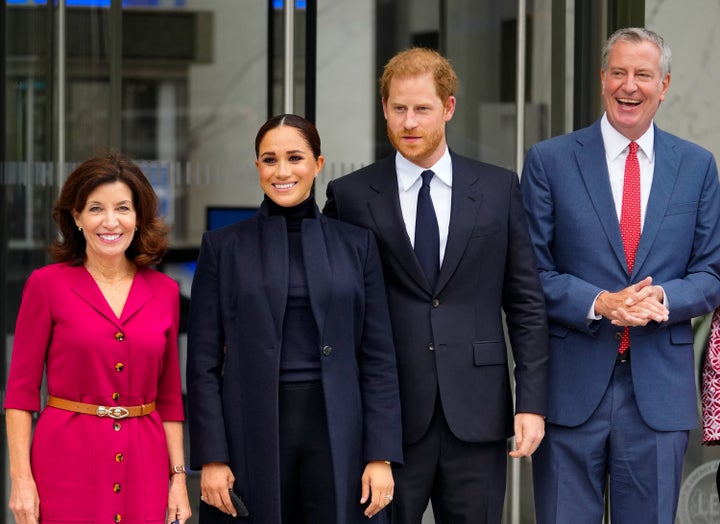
[[482, 42]]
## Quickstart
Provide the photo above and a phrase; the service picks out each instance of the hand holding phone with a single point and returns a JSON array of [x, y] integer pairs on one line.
[[239, 505]]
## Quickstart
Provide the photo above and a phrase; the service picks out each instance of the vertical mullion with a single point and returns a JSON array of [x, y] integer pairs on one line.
[[115, 64], [60, 75], [311, 60], [289, 57]]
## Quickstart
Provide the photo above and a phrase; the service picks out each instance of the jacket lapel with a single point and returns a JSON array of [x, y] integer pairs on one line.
[[317, 269], [274, 262], [466, 201], [389, 223], [590, 157], [665, 174]]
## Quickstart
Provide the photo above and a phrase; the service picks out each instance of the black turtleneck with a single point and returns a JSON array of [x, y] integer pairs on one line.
[[299, 356], [293, 215]]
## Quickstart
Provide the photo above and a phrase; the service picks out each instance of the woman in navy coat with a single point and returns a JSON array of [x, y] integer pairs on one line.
[[292, 382]]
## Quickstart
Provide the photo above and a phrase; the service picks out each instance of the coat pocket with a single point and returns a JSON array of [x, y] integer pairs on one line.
[[489, 353]]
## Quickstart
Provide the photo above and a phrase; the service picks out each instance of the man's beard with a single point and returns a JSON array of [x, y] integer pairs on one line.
[[418, 152]]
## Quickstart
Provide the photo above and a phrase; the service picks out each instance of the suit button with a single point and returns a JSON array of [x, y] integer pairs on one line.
[[117, 426], [119, 367], [431, 347], [119, 336], [119, 457], [618, 335], [118, 517], [326, 350], [436, 302], [116, 488], [116, 396]]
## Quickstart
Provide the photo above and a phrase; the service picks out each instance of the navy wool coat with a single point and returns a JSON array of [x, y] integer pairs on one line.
[[237, 308]]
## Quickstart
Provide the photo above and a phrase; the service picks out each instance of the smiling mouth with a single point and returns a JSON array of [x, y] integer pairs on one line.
[[288, 185], [628, 101], [110, 238]]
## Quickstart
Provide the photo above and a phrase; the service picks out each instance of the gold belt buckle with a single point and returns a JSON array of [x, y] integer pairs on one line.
[[114, 412]]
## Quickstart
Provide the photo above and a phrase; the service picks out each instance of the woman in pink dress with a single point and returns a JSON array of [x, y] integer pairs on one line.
[[108, 446]]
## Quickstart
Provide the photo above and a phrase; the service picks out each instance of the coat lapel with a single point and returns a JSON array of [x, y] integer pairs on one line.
[[317, 269], [274, 262], [390, 225], [665, 174], [590, 156], [466, 201]]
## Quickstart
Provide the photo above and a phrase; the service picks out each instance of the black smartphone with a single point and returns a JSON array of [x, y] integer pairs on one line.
[[240, 507]]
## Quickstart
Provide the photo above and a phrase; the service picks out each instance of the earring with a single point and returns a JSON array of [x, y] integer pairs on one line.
[[135, 228], [80, 228]]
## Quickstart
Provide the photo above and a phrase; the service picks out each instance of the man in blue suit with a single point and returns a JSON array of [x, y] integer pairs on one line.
[[622, 394], [449, 275]]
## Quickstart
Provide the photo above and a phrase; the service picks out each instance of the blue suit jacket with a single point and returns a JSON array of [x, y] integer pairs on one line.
[[450, 340], [579, 249]]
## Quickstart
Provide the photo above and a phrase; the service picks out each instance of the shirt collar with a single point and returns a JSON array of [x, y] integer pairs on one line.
[[615, 143], [409, 173]]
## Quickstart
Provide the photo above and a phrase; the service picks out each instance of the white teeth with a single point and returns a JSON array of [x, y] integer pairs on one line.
[[110, 238], [284, 186], [628, 101]]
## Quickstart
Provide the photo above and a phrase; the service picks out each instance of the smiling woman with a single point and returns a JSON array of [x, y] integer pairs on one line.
[[107, 221], [292, 382], [105, 326], [288, 160]]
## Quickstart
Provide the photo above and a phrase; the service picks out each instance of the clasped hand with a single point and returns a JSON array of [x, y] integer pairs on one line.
[[635, 305]]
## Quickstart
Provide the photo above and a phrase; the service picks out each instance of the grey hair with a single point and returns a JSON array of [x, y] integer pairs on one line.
[[638, 35]]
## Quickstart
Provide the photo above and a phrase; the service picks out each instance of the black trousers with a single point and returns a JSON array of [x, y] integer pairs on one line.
[[307, 487], [464, 480]]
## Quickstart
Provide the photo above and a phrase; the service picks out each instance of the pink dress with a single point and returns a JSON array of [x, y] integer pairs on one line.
[[711, 385], [91, 469]]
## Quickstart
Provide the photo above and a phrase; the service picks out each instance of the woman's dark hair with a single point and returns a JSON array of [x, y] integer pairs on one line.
[[305, 127], [150, 242]]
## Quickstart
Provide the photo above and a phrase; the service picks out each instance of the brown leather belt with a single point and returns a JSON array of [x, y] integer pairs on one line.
[[114, 412]]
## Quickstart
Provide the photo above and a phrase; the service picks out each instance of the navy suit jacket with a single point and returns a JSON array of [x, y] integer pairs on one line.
[[237, 309], [577, 241], [450, 340]]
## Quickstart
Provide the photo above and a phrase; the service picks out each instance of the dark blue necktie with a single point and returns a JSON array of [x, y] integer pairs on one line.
[[427, 236]]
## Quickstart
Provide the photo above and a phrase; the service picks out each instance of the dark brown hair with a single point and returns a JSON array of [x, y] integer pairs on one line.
[[305, 127], [150, 242], [420, 61]]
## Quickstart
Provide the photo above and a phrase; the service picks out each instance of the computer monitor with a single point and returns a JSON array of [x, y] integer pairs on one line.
[[220, 216]]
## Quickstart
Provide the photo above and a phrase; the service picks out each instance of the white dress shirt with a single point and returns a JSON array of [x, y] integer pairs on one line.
[[617, 148], [409, 183]]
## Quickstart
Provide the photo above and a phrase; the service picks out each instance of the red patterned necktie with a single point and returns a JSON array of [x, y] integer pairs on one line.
[[630, 220]]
